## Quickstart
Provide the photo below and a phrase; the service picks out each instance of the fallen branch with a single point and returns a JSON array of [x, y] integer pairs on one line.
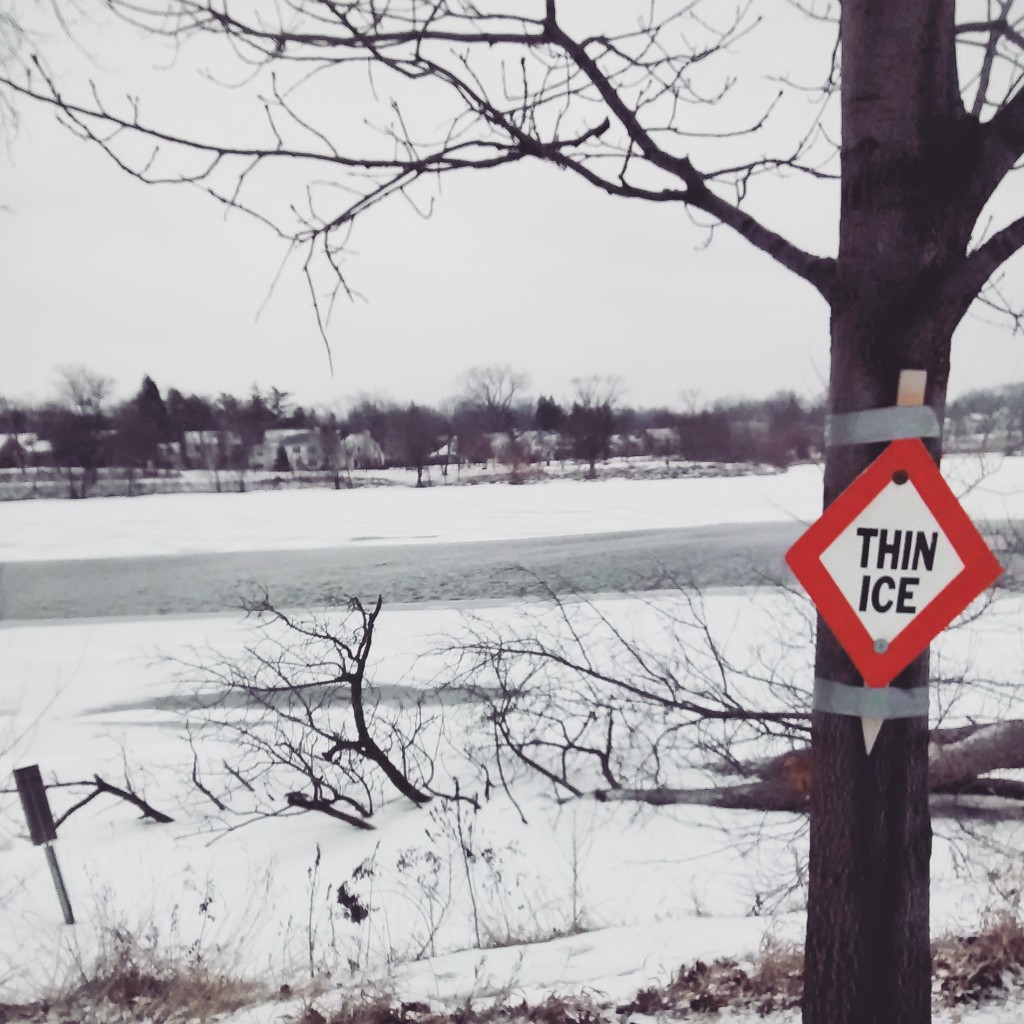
[[101, 786], [325, 807], [761, 796], [989, 748], [959, 762]]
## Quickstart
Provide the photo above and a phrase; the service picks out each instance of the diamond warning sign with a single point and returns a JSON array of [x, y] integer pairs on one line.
[[892, 561]]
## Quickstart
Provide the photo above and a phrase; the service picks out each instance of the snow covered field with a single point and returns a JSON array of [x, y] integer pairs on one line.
[[579, 896], [992, 488]]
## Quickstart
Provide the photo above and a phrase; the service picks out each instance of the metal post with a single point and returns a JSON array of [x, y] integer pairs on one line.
[[58, 881]]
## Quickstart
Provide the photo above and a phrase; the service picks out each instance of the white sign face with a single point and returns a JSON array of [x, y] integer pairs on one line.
[[892, 561]]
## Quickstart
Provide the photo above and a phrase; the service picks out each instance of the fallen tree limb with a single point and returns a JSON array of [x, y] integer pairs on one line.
[[985, 800], [101, 786], [761, 796], [967, 807], [1008, 789], [990, 748], [960, 760], [325, 807]]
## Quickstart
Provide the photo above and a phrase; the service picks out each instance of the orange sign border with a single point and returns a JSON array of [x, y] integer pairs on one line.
[[980, 566]]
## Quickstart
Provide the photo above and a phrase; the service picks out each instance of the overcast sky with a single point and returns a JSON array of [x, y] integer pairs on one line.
[[521, 266]]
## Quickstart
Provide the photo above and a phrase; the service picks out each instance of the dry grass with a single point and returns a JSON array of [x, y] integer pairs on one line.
[[979, 967], [774, 982], [965, 969], [133, 981], [196, 996], [383, 1010]]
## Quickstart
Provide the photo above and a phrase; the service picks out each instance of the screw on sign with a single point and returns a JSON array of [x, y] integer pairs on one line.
[[892, 561]]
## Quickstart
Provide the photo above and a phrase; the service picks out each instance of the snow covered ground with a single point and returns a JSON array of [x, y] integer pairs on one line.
[[646, 889], [992, 488]]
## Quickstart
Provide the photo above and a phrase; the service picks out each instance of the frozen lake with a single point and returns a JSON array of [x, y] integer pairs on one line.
[[730, 555]]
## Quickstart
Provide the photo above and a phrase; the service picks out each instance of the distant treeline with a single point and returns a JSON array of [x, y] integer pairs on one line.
[[493, 418]]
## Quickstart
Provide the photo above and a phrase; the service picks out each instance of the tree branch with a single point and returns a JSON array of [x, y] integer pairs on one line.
[[759, 796], [816, 270], [998, 801], [102, 786], [966, 282], [958, 763], [326, 807], [991, 748], [404, 43], [1002, 144], [998, 26]]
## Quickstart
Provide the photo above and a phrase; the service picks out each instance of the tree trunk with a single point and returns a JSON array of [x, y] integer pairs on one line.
[[867, 950]]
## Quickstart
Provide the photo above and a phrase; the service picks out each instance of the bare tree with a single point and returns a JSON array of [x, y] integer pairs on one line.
[[671, 711], [491, 391], [82, 390], [418, 434], [635, 100], [486, 415], [76, 426], [586, 701], [333, 459], [296, 722], [591, 421], [243, 425], [208, 453], [494, 389], [470, 428]]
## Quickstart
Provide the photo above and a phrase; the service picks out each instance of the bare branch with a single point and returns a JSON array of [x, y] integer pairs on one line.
[[585, 102], [969, 279], [100, 787], [304, 720]]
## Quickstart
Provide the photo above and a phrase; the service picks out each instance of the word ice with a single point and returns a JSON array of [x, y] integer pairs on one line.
[[904, 550]]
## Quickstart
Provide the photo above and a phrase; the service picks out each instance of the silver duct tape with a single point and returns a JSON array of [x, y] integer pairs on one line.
[[870, 702], [893, 423]]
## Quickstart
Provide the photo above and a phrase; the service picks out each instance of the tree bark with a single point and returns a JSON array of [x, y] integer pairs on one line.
[[902, 230], [991, 748], [958, 762]]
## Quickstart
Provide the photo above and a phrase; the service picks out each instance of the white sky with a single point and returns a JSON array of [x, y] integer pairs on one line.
[[520, 266]]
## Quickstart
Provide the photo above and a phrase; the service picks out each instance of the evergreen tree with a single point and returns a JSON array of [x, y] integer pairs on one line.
[[549, 415]]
